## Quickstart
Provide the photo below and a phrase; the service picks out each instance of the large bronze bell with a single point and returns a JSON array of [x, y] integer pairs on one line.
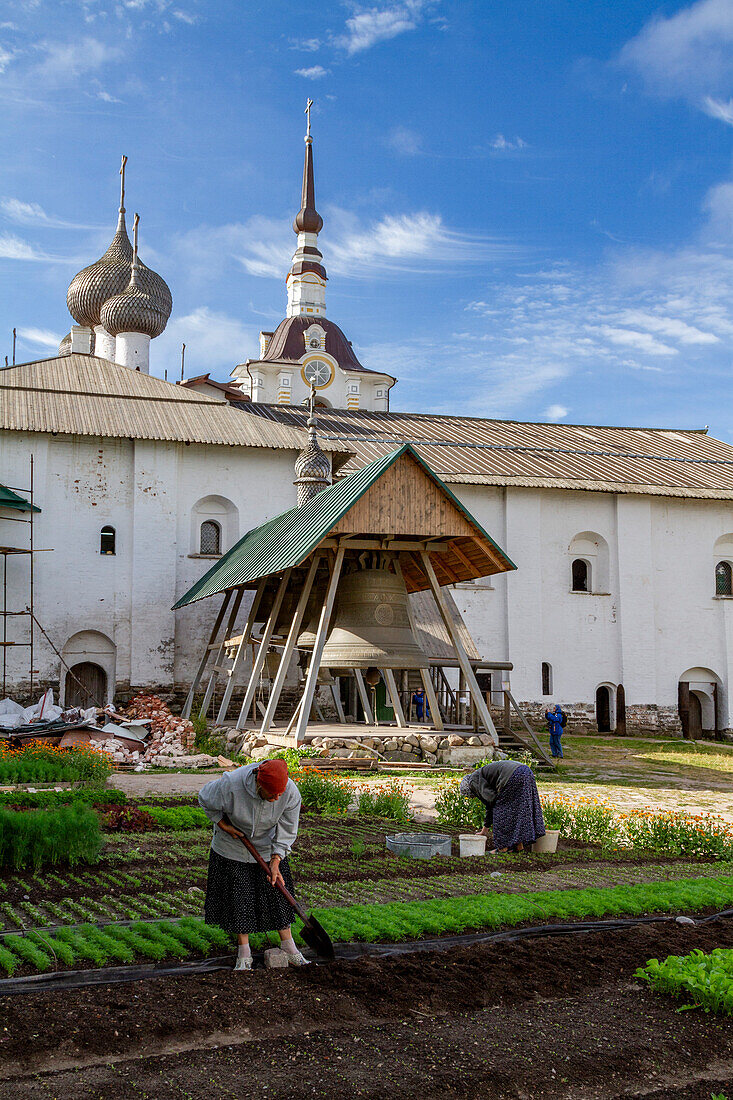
[[371, 626]]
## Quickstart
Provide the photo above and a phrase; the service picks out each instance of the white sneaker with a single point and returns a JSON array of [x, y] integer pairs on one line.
[[243, 964]]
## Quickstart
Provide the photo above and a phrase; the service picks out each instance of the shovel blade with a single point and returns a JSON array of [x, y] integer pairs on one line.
[[317, 938]]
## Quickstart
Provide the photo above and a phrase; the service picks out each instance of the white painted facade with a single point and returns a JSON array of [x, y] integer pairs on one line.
[[285, 384], [650, 619]]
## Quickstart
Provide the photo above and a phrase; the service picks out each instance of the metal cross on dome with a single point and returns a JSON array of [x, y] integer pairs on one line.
[[307, 113]]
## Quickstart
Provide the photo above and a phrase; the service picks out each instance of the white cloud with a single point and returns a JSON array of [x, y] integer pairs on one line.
[[506, 145], [314, 72], [688, 55], [13, 248], [370, 26], [214, 343], [39, 337], [5, 58], [308, 45], [417, 243], [639, 341], [405, 141], [716, 108], [671, 327], [185, 17], [556, 412], [66, 61], [31, 214]]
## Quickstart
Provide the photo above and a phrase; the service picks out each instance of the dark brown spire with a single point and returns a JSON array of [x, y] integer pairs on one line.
[[308, 220]]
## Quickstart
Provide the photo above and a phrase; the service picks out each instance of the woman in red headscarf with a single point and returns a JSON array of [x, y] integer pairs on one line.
[[261, 802]]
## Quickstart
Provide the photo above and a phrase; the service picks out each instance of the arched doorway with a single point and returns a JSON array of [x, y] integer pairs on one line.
[[86, 685], [694, 728], [95, 654], [603, 709]]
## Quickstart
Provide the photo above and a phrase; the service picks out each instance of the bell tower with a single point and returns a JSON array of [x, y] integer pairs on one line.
[[306, 281]]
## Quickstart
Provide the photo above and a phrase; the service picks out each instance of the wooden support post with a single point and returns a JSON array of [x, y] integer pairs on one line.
[[259, 660], [241, 650], [431, 697], [292, 638], [186, 712], [220, 652], [479, 702], [394, 695], [507, 715], [336, 692], [323, 623], [364, 696]]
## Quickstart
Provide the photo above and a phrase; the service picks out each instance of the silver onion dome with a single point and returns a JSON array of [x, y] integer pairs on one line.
[[312, 466], [90, 289], [144, 305]]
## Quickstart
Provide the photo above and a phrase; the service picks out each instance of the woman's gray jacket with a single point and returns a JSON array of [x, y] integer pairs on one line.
[[271, 826], [488, 782]]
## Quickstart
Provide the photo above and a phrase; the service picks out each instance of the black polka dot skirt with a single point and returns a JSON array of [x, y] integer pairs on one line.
[[239, 897]]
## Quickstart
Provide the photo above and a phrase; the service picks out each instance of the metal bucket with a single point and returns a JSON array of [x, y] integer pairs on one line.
[[419, 845], [472, 845]]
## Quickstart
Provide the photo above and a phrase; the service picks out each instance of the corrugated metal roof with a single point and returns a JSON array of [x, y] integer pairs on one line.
[[83, 395], [9, 499], [288, 539], [473, 451]]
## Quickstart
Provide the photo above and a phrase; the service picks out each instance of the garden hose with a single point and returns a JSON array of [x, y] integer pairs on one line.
[[108, 975]]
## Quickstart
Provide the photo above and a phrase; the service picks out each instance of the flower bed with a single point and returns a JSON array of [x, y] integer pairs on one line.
[[38, 762], [705, 980]]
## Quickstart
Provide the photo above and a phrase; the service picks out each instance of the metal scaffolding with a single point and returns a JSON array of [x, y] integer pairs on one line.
[[29, 552]]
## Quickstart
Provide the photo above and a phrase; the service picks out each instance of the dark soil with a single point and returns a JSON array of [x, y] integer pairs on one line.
[[489, 1021]]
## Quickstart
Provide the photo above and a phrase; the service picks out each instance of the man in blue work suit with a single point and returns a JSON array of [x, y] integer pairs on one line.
[[556, 721]]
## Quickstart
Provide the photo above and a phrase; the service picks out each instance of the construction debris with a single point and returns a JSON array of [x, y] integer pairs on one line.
[[146, 734]]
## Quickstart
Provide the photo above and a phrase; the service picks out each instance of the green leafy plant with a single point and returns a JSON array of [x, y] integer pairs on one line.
[[177, 817], [33, 800], [35, 838], [322, 792], [705, 980], [39, 762], [358, 848], [455, 810], [389, 799]]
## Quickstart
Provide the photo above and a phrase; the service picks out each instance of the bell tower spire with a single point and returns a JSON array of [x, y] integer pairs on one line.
[[306, 281]]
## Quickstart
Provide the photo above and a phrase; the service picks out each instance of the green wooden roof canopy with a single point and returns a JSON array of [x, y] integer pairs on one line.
[[288, 539], [9, 499]]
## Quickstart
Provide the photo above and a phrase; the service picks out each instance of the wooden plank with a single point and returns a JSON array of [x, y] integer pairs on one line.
[[364, 696], [289, 647], [264, 645], [405, 501], [323, 623], [479, 701], [186, 712], [394, 695], [241, 650]]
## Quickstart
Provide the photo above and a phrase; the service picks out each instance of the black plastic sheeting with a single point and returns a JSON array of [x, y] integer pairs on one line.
[[79, 979]]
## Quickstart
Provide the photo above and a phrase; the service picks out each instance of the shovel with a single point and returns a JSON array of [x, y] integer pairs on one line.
[[313, 932]]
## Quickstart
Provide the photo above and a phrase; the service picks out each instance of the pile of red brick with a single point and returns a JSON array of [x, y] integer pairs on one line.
[[166, 728]]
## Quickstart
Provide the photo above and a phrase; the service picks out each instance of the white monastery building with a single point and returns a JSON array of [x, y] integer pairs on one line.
[[621, 606]]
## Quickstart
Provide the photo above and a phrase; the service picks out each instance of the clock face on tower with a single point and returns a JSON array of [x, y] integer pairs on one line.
[[317, 372]]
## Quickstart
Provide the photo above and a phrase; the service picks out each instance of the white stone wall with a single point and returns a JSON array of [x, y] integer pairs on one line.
[[657, 619], [147, 491], [264, 384]]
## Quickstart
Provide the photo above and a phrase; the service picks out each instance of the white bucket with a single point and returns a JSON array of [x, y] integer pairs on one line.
[[472, 845], [548, 842]]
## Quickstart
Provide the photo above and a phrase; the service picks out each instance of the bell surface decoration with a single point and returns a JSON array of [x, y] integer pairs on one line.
[[371, 626]]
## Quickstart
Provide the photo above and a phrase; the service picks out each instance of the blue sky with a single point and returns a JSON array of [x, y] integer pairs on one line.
[[528, 206]]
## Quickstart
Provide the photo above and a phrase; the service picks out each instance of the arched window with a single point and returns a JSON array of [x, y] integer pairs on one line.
[[723, 579], [581, 576], [107, 540], [546, 678], [210, 538]]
